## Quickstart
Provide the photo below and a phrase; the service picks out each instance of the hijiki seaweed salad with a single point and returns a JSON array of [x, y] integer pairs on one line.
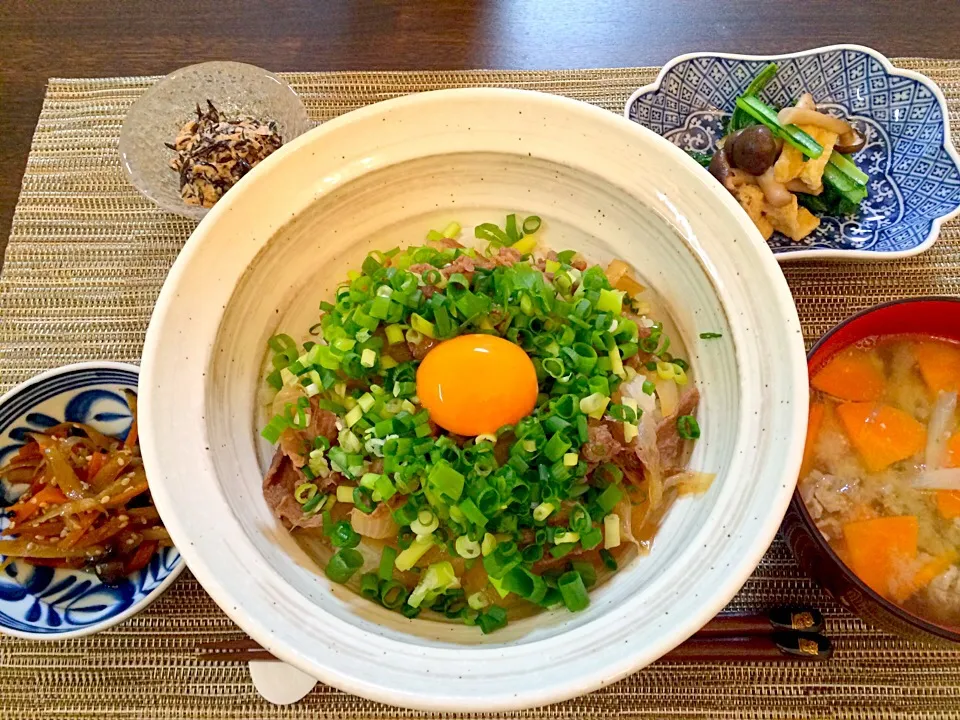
[[480, 432]]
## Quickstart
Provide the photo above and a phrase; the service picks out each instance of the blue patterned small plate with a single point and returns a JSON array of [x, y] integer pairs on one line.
[[47, 603], [914, 169]]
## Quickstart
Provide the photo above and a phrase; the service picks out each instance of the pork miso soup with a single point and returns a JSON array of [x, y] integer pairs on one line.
[[881, 470]]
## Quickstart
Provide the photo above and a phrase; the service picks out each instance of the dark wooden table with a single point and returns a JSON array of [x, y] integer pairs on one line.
[[90, 38]]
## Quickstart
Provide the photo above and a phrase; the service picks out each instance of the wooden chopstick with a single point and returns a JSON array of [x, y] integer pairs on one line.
[[780, 634], [785, 619]]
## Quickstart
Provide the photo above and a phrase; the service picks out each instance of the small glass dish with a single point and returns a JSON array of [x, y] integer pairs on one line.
[[236, 89]]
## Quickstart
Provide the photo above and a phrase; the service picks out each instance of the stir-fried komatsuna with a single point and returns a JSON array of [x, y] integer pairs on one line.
[[528, 516]]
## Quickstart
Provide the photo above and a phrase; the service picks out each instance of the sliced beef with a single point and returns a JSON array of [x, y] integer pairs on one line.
[[419, 350], [506, 257], [285, 474], [669, 442], [297, 444], [279, 485], [601, 445]]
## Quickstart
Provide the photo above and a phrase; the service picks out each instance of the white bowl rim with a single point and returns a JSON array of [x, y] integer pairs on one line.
[[153, 594], [590, 679], [892, 70]]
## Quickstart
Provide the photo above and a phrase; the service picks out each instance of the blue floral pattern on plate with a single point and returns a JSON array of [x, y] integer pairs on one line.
[[914, 171], [57, 603]]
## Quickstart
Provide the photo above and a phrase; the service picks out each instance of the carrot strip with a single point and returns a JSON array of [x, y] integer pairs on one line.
[[93, 467], [131, 440], [881, 434], [111, 470], [106, 531], [878, 548], [141, 557], [48, 495], [814, 423], [851, 375]]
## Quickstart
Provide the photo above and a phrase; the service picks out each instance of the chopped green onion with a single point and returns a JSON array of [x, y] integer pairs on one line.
[[611, 531], [472, 512], [588, 573], [451, 230], [409, 557], [343, 565], [542, 512], [591, 538], [370, 586], [467, 548], [609, 498], [368, 358], [526, 584], [422, 326], [353, 417], [710, 335], [363, 499], [345, 494], [530, 225], [493, 619], [566, 537], [387, 557], [477, 601], [687, 427], [344, 536], [594, 405], [304, 492], [488, 545], [438, 578], [573, 591], [571, 459], [425, 523], [446, 481], [609, 561], [393, 594]]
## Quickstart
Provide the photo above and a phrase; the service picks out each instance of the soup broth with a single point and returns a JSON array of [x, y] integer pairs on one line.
[[881, 470]]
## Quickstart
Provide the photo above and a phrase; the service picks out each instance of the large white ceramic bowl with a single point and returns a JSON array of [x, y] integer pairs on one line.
[[280, 240]]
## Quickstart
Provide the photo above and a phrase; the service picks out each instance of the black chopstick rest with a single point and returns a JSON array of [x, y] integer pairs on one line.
[[807, 620], [803, 646]]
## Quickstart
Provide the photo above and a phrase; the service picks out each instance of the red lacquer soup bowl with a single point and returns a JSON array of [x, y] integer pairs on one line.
[[938, 317]]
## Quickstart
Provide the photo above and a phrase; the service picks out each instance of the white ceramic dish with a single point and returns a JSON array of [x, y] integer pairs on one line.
[[381, 176]]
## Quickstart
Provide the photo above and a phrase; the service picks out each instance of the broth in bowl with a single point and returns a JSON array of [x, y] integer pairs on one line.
[[881, 470]]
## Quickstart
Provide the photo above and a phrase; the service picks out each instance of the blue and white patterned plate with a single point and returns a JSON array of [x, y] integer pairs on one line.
[[914, 170], [47, 603]]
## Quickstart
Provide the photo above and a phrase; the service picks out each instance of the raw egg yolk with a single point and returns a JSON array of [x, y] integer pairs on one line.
[[476, 384]]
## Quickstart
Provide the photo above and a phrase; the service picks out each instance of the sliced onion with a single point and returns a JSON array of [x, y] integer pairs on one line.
[[943, 479], [806, 116], [649, 455], [939, 430], [690, 482], [377, 525], [668, 395]]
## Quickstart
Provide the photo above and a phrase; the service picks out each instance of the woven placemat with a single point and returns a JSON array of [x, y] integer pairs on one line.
[[86, 259]]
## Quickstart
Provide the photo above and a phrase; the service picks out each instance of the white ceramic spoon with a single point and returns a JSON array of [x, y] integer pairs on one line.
[[279, 683]]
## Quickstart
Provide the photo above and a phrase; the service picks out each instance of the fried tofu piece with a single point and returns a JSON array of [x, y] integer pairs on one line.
[[812, 173], [789, 165], [752, 200], [792, 220]]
